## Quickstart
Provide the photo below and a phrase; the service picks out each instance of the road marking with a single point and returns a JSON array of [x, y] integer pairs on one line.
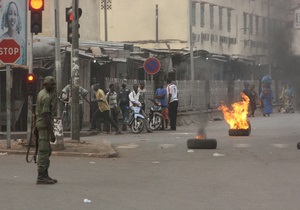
[[128, 146], [242, 145], [280, 145]]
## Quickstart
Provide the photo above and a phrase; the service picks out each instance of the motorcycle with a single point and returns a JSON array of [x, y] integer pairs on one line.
[[155, 115], [136, 119]]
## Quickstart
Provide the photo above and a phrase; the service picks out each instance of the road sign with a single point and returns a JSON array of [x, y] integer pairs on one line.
[[10, 51], [152, 65]]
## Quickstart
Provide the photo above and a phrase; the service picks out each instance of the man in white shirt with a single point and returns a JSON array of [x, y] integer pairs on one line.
[[172, 103], [134, 96]]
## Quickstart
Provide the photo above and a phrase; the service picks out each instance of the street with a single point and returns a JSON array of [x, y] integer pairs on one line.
[[157, 171]]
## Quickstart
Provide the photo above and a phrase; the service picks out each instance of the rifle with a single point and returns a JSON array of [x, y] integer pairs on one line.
[[34, 134]]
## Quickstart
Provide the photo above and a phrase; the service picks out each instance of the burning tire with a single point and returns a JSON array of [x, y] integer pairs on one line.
[[240, 132], [202, 143]]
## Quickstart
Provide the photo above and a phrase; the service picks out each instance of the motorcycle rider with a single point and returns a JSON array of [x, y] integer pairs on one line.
[[134, 96]]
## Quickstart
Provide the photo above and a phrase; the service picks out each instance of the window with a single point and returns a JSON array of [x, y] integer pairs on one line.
[[214, 38], [251, 24], [202, 21], [245, 23], [264, 24], [211, 9], [228, 20], [220, 18], [193, 14], [257, 24]]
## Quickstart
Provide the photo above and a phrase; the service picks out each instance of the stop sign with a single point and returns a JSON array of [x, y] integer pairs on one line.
[[10, 51]]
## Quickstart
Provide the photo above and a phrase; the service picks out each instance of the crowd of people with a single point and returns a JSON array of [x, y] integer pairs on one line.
[[108, 107], [266, 96]]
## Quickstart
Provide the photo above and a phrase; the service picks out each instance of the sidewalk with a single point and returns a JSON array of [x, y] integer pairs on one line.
[[92, 148]]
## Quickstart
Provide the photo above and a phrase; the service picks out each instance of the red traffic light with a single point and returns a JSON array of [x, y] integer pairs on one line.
[[30, 78], [36, 4]]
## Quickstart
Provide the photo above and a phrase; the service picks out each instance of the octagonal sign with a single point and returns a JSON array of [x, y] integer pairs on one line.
[[10, 51]]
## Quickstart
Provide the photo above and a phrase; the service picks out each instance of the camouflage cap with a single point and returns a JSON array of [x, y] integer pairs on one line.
[[49, 80]]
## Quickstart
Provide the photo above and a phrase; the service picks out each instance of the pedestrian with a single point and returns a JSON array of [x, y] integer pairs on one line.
[[246, 89], [253, 99], [93, 101], [44, 125], [289, 99], [142, 92], [111, 97], [266, 97], [161, 96], [123, 102], [172, 102], [67, 96], [134, 97], [283, 98], [102, 111]]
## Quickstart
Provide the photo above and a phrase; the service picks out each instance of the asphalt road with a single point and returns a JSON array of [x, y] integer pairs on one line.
[[157, 171]]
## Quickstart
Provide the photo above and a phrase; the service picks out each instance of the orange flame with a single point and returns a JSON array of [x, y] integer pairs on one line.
[[237, 116], [201, 136]]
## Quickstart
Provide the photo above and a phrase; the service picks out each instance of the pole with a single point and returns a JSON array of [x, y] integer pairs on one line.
[[268, 37], [58, 57], [75, 75], [59, 138], [156, 21], [191, 41], [8, 106], [105, 19]]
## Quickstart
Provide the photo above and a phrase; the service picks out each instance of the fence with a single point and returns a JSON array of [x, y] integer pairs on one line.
[[198, 95]]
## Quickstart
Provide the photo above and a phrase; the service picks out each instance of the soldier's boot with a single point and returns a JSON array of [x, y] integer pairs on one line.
[[48, 177], [42, 179]]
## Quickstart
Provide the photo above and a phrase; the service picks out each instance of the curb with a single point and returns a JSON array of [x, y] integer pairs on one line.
[[111, 154]]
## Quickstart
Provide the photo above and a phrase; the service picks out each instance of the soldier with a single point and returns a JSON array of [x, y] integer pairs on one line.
[[44, 125]]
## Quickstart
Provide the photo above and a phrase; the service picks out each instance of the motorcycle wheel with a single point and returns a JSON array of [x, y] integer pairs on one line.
[[155, 122], [137, 125]]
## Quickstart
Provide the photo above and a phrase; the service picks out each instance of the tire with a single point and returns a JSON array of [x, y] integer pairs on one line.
[[240, 132], [137, 125], [155, 122], [202, 143], [298, 145]]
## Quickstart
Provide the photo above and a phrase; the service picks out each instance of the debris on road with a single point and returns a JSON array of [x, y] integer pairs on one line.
[[218, 155], [190, 151], [87, 201]]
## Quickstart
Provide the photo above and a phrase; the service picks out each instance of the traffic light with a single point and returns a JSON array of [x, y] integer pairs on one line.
[[36, 7], [69, 19], [30, 84]]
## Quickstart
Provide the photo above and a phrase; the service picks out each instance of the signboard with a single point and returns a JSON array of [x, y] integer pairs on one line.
[[9, 51], [13, 16], [152, 65]]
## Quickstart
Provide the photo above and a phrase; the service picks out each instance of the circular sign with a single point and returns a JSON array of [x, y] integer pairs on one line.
[[10, 51], [152, 65]]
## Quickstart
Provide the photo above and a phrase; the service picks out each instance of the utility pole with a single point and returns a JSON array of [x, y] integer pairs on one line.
[[75, 83], [59, 139], [191, 41], [105, 19], [269, 45]]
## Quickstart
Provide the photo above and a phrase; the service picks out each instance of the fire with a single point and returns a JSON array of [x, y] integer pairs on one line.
[[237, 116], [201, 136]]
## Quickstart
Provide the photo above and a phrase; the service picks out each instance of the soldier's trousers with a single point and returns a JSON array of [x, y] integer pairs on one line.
[[44, 151]]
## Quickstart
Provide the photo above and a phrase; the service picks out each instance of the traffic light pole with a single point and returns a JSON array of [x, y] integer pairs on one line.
[[75, 75]]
